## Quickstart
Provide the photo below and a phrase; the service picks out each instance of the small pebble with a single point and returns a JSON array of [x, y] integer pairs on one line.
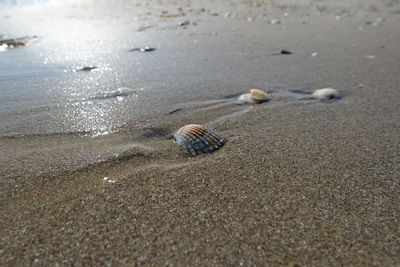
[[143, 49], [184, 23], [286, 52], [274, 21], [88, 68]]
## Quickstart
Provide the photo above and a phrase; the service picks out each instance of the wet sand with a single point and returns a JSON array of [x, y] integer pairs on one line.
[[298, 182]]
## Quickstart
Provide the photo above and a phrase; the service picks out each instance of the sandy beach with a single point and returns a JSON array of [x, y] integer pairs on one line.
[[89, 172]]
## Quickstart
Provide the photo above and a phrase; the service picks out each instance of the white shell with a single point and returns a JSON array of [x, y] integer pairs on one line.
[[198, 139], [326, 94], [255, 96], [246, 98]]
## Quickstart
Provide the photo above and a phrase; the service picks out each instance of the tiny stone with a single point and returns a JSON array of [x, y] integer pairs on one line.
[[147, 49], [184, 23], [286, 52], [88, 68], [275, 21], [143, 49]]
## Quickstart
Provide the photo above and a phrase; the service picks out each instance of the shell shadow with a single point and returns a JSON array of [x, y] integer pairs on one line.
[[303, 95], [231, 99], [158, 132]]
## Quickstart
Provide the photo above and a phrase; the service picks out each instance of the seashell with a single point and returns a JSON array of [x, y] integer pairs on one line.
[[254, 97], [258, 94], [246, 98], [198, 139], [326, 94]]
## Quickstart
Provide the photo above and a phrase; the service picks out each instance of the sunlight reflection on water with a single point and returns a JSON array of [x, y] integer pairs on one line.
[[69, 38], [11, 3]]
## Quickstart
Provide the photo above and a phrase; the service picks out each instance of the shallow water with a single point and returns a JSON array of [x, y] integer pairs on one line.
[[41, 91]]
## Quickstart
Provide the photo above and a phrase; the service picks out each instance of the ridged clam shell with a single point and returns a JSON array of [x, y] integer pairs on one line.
[[326, 94], [255, 96], [198, 139]]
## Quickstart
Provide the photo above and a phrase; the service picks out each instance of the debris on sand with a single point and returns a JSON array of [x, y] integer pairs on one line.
[[164, 15], [15, 42], [143, 49], [87, 68], [184, 23], [286, 52], [275, 21], [283, 52]]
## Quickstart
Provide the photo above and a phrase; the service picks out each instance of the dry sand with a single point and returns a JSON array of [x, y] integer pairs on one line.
[[298, 183]]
